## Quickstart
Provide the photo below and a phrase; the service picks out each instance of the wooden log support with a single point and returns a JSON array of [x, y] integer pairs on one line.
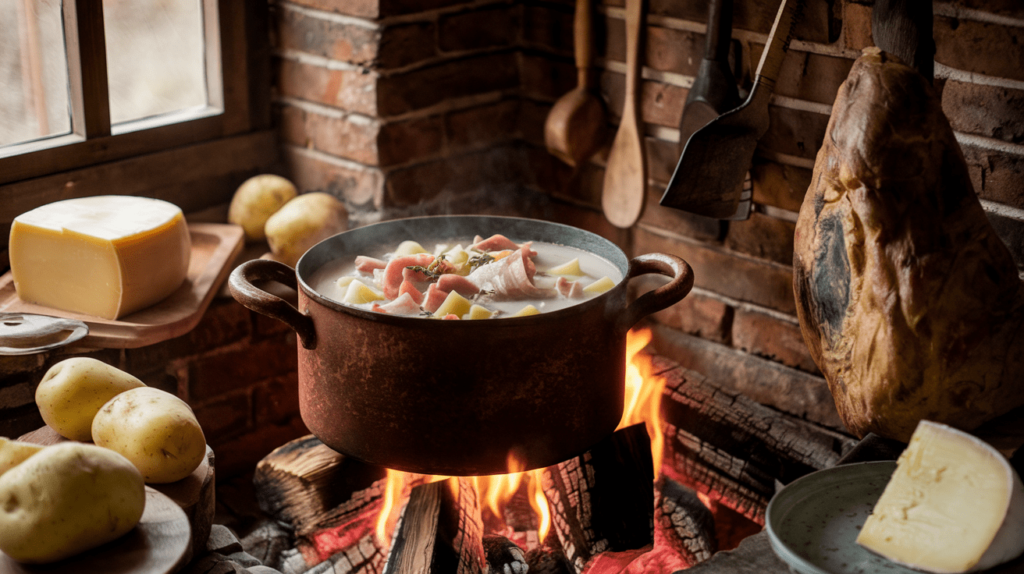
[[308, 485], [603, 500], [440, 531], [734, 449], [682, 522]]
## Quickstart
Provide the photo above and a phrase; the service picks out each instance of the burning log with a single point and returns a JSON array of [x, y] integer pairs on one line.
[[504, 556], [547, 560], [440, 531], [603, 500], [312, 487], [732, 448], [683, 523]]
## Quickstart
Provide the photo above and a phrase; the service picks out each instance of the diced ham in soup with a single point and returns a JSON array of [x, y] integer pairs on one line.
[[493, 277]]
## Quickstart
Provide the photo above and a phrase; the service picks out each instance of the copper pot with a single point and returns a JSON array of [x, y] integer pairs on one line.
[[457, 397]]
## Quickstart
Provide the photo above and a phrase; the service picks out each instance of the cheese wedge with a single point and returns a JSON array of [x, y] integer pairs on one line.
[[106, 256], [954, 504]]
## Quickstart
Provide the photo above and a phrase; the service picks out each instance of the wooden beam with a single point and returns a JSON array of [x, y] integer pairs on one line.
[[87, 68]]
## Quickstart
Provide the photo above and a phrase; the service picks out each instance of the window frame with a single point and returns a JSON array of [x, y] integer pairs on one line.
[[193, 162]]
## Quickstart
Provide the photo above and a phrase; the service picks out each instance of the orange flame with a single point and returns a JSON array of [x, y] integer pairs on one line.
[[643, 393], [539, 503]]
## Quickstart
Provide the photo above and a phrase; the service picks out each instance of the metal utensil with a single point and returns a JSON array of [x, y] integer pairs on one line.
[[708, 180], [25, 334], [576, 127], [625, 175]]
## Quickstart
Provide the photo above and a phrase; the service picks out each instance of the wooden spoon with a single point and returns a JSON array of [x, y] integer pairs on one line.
[[576, 126], [625, 176]]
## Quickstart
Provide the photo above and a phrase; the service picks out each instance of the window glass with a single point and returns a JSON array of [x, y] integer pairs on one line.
[[33, 71], [155, 57]]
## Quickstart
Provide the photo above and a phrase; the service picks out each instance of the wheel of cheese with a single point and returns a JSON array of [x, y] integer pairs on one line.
[[106, 256]]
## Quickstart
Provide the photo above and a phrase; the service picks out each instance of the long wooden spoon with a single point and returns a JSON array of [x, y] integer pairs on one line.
[[576, 125], [625, 176]]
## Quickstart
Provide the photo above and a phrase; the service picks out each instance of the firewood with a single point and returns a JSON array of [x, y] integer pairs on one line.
[[603, 500], [732, 448], [683, 523], [504, 556], [548, 560], [308, 485], [440, 531]]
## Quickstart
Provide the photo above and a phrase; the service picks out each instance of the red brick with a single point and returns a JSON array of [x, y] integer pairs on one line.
[[238, 456], [331, 39], [667, 50], [18, 421], [780, 185], [20, 364], [424, 87], [807, 76], [225, 416], [725, 272], [351, 90], [662, 157], [461, 31], [276, 401], [988, 111], [545, 78], [405, 44], [532, 116], [769, 383], [547, 173], [764, 237], [816, 24], [345, 137], [857, 26], [482, 125], [453, 179], [549, 26], [15, 393], [313, 171], [590, 219], [224, 322], [996, 176], [412, 185], [662, 104], [416, 139], [989, 49], [772, 338], [400, 7], [676, 220], [223, 373], [698, 315], [1002, 7], [794, 132], [362, 8]]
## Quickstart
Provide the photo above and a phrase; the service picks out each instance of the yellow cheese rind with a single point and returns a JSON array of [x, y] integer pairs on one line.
[[105, 256], [954, 504]]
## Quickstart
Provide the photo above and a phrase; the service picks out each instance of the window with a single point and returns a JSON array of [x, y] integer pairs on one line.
[[101, 93]]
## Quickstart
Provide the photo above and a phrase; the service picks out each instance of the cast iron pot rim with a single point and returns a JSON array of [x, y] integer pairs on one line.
[[551, 316]]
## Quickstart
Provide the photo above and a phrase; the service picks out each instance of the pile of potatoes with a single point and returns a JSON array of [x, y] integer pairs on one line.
[[268, 207], [57, 501]]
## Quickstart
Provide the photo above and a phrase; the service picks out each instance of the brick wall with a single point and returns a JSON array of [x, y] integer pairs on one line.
[[418, 106]]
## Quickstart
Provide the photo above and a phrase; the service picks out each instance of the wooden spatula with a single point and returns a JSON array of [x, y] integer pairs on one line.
[[625, 175], [708, 179]]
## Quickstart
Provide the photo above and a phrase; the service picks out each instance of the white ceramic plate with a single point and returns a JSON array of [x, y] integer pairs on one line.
[[813, 522]]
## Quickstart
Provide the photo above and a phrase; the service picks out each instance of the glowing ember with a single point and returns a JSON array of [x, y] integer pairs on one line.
[[643, 393]]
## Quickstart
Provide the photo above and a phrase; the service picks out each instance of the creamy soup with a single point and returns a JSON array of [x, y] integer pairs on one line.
[[468, 279]]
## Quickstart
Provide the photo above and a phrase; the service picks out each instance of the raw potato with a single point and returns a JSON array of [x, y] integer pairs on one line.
[[73, 390], [153, 429], [256, 200], [66, 499], [302, 223], [908, 301], [13, 453]]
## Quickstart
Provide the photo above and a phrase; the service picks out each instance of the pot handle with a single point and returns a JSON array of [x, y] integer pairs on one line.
[[251, 297], [660, 298]]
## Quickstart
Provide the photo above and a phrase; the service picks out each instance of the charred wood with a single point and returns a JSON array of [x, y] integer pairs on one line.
[[440, 531], [308, 485], [504, 556], [732, 448], [683, 523], [547, 560], [603, 500]]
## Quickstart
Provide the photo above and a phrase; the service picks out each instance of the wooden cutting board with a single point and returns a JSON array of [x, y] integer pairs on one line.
[[214, 247], [159, 544]]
